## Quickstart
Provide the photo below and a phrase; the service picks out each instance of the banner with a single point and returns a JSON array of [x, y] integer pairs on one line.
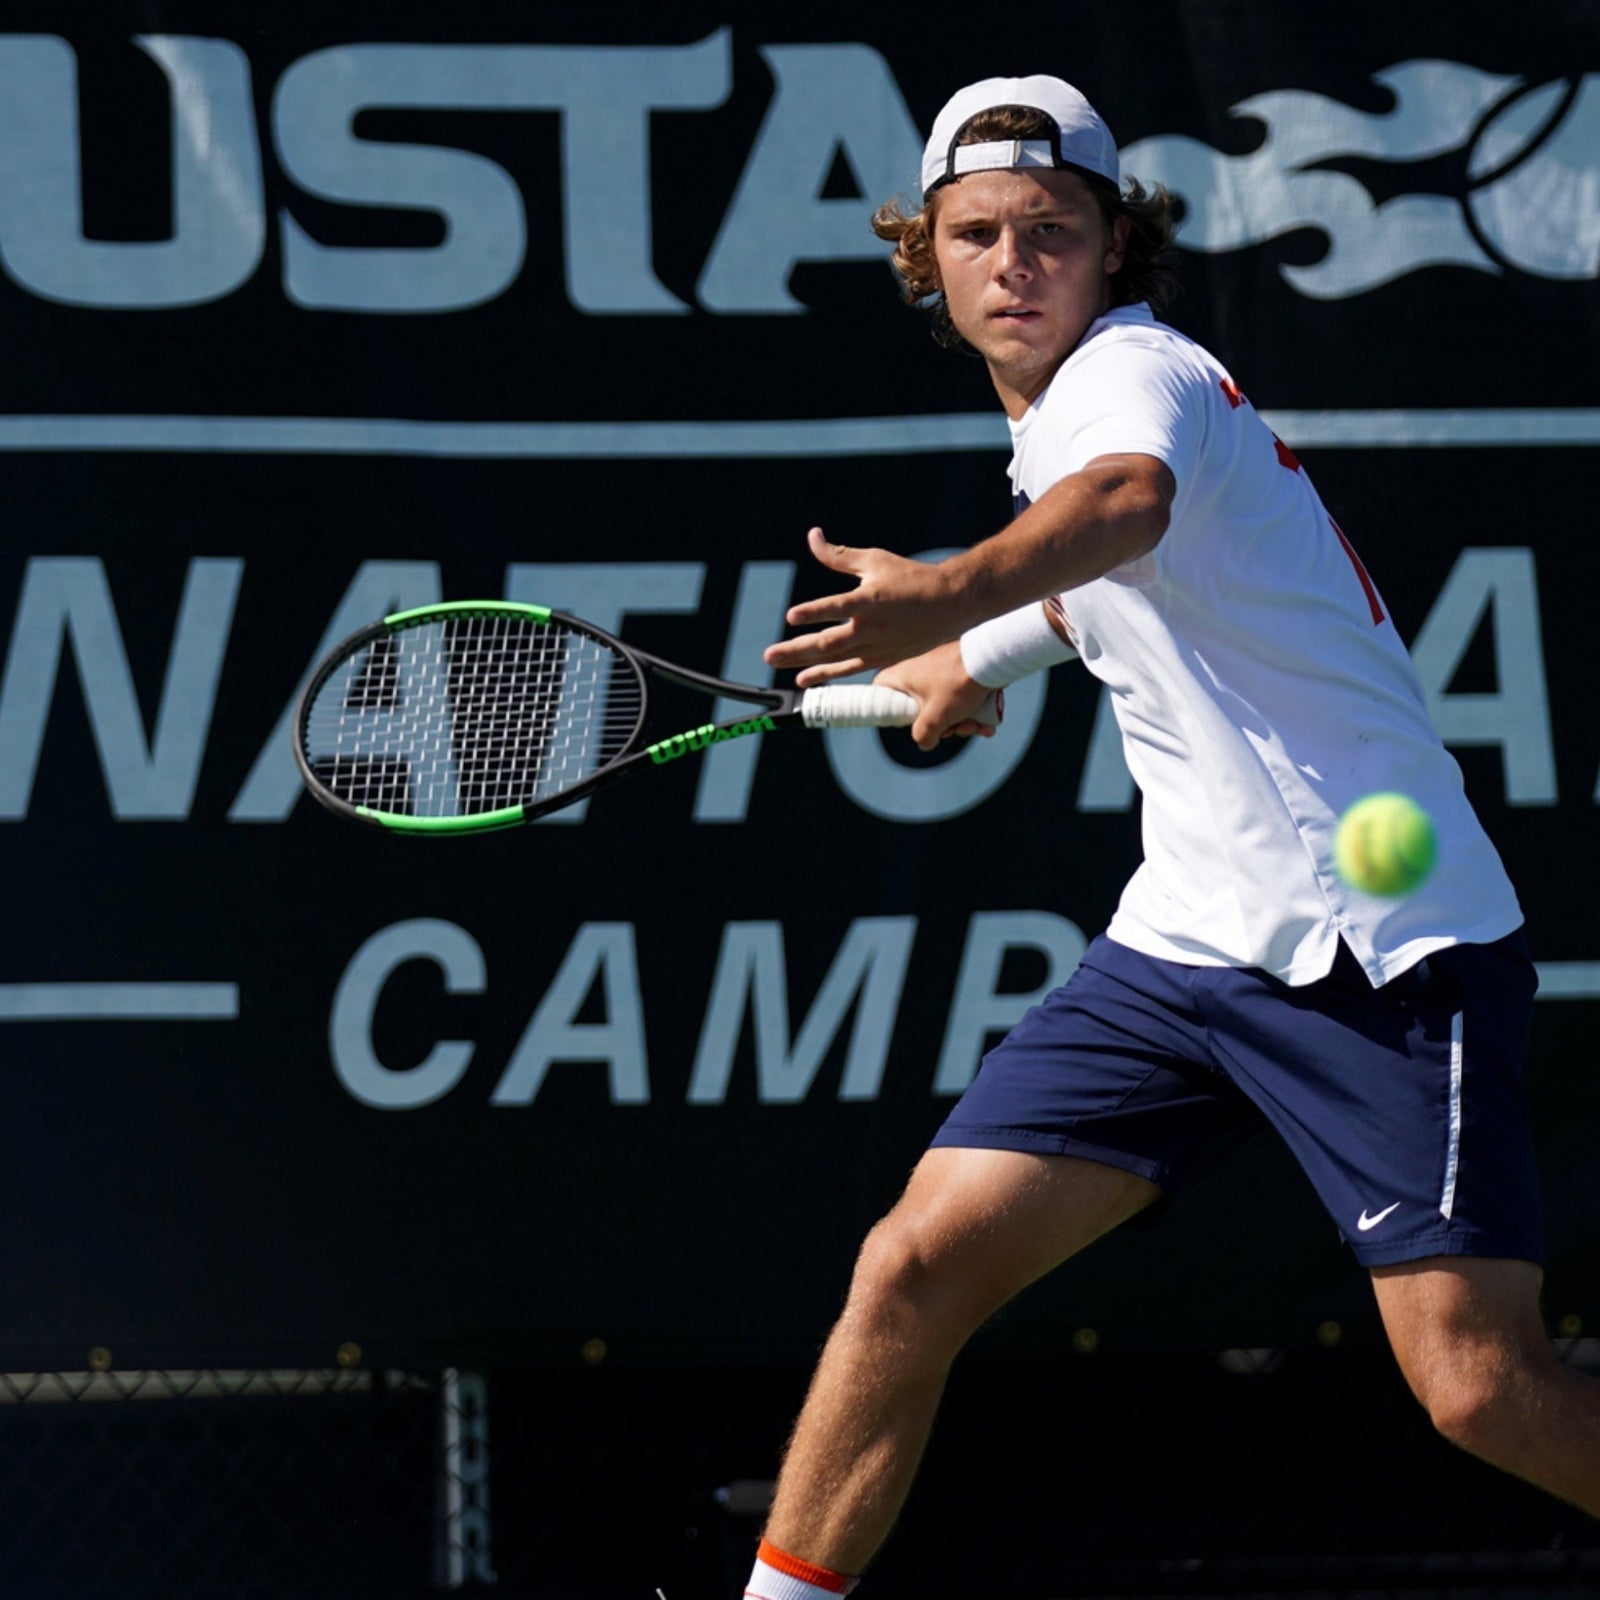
[[308, 320]]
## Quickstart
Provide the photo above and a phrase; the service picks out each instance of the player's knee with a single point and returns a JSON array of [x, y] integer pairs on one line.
[[902, 1287], [1481, 1400], [891, 1270], [1465, 1412]]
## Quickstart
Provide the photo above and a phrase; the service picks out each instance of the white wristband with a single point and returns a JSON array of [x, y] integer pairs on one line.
[[1006, 648]]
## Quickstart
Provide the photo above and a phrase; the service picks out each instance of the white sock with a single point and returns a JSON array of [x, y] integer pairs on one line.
[[780, 1576]]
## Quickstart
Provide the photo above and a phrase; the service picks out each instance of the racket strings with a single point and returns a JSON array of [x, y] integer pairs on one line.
[[471, 714]]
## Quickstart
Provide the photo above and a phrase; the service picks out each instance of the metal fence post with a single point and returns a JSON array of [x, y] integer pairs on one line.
[[464, 1551]]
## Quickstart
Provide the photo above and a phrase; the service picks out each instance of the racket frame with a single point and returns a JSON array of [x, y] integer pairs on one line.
[[776, 707]]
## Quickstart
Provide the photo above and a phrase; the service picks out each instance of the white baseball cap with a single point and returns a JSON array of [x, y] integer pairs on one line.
[[1083, 141]]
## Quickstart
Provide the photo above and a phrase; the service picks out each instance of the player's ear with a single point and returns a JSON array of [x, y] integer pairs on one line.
[[1117, 245], [927, 222]]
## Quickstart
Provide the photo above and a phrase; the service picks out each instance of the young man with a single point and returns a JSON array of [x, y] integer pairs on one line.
[[1166, 537]]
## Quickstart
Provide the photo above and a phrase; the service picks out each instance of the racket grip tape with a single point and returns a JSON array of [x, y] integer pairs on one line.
[[874, 705], [857, 705]]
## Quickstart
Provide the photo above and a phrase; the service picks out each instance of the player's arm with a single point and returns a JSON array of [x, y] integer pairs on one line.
[[1089, 523]]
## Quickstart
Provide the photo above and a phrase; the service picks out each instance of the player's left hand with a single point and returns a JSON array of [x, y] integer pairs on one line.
[[899, 609]]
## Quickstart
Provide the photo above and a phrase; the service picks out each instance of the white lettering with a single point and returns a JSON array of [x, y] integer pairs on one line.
[[869, 971], [155, 774], [355, 1002], [831, 101], [314, 109], [833, 105], [69, 597], [605, 94], [218, 219], [1517, 716], [603, 952], [609, 97]]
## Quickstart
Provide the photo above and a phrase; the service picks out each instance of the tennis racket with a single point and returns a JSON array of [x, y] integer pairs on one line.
[[482, 714]]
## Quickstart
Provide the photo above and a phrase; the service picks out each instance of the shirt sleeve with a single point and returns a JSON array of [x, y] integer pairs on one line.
[[1121, 397]]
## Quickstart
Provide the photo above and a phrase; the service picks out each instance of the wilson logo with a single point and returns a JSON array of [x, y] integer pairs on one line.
[[702, 738]]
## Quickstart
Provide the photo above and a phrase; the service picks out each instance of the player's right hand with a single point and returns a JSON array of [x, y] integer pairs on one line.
[[953, 706]]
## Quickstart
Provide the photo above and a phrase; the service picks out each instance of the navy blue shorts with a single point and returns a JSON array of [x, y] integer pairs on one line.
[[1406, 1105]]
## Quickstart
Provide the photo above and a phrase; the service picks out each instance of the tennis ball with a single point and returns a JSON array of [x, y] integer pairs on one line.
[[1385, 845]]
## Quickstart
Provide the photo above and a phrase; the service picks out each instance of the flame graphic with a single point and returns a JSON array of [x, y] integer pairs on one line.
[[1439, 106]]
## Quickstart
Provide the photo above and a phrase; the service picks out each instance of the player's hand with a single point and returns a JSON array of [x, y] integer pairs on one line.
[[953, 706], [898, 609]]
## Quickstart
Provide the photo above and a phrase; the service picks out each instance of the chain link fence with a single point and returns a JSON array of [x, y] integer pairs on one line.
[[1308, 1472], [277, 1483]]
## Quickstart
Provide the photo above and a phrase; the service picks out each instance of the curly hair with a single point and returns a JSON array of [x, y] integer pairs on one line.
[[1146, 272]]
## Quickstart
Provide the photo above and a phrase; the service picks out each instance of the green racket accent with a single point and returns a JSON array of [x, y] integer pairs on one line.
[[466, 608], [481, 822]]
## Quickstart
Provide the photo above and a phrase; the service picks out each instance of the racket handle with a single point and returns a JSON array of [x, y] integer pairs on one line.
[[874, 705], [857, 705]]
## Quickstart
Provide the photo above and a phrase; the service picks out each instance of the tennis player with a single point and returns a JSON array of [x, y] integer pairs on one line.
[[1168, 539]]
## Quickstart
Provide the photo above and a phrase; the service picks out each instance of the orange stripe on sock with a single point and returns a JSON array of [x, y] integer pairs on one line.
[[782, 1561]]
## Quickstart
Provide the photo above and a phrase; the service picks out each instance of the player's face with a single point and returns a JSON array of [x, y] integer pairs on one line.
[[1025, 260]]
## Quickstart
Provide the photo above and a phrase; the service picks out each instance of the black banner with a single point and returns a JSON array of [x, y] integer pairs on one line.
[[307, 320]]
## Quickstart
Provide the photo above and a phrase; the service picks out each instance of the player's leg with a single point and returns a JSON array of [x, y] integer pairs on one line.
[[1091, 1107], [974, 1228], [1472, 1344], [1407, 1106]]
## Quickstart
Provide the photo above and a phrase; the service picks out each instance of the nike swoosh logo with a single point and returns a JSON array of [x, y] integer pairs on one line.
[[1364, 1222]]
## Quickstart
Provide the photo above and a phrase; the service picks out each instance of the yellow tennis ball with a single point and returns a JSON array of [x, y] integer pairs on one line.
[[1385, 845]]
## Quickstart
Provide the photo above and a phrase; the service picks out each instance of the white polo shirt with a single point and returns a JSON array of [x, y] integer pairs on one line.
[[1258, 682]]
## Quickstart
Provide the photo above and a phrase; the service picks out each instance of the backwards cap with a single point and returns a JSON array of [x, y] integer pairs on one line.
[[1083, 141]]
